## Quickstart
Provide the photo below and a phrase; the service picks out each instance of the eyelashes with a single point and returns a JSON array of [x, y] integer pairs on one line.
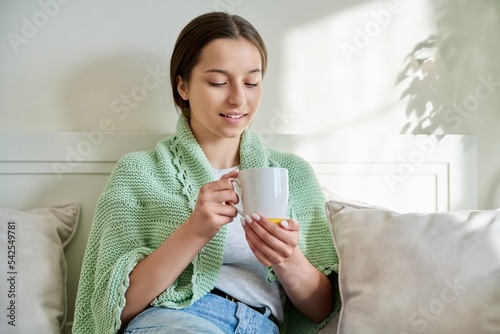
[[222, 84]]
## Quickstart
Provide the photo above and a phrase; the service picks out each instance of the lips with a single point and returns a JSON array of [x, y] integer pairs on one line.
[[233, 116]]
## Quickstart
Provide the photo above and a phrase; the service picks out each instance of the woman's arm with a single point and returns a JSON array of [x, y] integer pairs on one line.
[[308, 289], [155, 273], [276, 245], [160, 269]]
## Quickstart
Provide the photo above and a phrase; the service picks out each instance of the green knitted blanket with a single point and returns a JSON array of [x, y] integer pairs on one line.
[[149, 194]]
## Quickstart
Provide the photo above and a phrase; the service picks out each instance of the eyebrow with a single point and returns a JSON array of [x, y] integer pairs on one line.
[[218, 70]]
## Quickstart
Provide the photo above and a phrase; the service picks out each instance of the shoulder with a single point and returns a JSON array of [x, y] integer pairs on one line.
[[143, 165], [136, 159], [146, 159]]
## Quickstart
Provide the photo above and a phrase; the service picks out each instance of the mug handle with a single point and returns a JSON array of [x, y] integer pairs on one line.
[[232, 179]]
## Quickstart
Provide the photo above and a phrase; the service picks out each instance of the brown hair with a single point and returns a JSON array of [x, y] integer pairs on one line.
[[198, 33]]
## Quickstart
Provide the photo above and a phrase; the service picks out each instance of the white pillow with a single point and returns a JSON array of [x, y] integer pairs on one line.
[[33, 276], [417, 273]]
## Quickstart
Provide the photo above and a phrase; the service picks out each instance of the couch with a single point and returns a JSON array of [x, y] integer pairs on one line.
[[434, 268]]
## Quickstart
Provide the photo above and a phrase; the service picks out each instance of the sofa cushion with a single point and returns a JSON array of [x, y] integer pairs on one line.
[[33, 282], [416, 272]]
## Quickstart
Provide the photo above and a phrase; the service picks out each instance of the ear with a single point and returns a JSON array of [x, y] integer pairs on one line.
[[182, 88]]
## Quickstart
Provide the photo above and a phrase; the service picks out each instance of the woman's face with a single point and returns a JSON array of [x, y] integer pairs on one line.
[[225, 89]]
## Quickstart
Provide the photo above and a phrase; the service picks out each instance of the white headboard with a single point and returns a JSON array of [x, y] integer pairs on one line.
[[401, 172]]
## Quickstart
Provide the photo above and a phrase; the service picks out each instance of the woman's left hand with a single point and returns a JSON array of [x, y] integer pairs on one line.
[[271, 243]]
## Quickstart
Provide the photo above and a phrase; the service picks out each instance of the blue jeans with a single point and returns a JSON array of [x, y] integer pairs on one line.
[[211, 314]]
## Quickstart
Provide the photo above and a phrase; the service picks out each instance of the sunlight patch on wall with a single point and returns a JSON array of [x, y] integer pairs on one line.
[[340, 71]]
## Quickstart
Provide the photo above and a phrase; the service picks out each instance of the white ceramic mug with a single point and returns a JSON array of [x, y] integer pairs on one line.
[[264, 191]]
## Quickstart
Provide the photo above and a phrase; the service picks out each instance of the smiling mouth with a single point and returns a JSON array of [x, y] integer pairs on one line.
[[233, 116]]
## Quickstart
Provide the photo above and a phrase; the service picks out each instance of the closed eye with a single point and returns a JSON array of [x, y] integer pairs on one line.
[[251, 85], [217, 84]]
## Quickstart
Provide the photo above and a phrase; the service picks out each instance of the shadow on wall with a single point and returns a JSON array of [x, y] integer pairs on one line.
[[455, 73]]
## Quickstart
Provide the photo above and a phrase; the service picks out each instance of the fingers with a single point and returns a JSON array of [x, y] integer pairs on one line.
[[261, 256], [289, 225], [232, 174], [212, 211], [211, 203], [220, 191], [271, 227], [220, 196], [270, 242]]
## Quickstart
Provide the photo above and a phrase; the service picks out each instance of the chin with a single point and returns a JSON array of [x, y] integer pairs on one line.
[[233, 132], [232, 135]]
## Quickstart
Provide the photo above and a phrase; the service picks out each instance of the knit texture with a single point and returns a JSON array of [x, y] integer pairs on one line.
[[149, 194]]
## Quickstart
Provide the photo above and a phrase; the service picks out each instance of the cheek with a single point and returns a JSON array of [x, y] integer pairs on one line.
[[205, 97], [254, 97], [214, 94]]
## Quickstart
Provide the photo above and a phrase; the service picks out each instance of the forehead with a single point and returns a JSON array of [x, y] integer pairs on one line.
[[230, 55]]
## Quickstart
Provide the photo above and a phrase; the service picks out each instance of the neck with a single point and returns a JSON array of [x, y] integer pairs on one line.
[[223, 153]]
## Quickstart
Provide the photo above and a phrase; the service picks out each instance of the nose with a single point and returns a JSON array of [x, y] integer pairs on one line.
[[236, 96]]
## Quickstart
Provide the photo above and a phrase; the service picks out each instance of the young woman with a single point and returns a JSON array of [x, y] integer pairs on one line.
[[165, 252]]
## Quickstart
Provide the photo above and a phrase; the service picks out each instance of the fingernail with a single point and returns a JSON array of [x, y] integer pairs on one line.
[[256, 216], [284, 223], [248, 219], [243, 221]]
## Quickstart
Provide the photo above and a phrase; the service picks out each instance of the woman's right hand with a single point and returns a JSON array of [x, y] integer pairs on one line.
[[213, 209], [154, 274]]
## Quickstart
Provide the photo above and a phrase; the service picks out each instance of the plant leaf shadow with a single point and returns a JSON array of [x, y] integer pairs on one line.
[[442, 71]]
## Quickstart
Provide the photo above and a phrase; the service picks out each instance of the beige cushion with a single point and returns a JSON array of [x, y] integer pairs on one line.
[[33, 275], [417, 273]]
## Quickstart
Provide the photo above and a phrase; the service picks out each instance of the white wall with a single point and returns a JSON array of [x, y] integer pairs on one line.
[[333, 68]]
